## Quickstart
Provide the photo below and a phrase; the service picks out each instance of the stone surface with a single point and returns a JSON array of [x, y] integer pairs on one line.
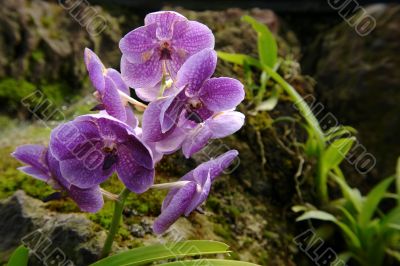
[[70, 236], [359, 81]]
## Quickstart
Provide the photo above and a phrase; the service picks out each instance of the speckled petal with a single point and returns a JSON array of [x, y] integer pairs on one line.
[[139, 43], [88, 200], [35, 157], [71, 139], [141, 75], [112, 101], [197, 140], [165, 21], [86, 172], [225, 123], [131, 119], [192, 37], [151, 122], [171, 110], [203, 179], [118, 81], [95, 68], [176, 207], [197, 69], [148, 94], [135, 177], [220, 94]]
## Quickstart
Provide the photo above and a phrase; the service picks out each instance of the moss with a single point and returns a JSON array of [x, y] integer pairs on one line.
[[12, 91], [223, 231], [6, 122], [38, 56], [22, 96]]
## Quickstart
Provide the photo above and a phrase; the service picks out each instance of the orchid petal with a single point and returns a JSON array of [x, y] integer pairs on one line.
[[176, 207], [219, 94], [115, 76], [88, 200], [192, 37], [165, 21], [95, 68], [197, 140], [197, 69], [225, 123], [112, 101], [141, 75], [137, 45], [135, 177]]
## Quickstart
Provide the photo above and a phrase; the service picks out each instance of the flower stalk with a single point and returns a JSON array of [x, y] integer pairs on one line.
[[132, 101], [115, 223]]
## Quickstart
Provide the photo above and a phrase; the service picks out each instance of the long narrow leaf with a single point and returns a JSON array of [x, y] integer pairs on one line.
[[351, 194], [372, 200], [318, 215], [267, 46], [209, 262], [145, 255], [398, 180], [335, 153], [324, 216], [238, 59], [19, 257]]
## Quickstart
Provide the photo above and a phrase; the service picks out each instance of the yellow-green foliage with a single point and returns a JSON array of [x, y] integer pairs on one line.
[[12, 91], [39, 97]]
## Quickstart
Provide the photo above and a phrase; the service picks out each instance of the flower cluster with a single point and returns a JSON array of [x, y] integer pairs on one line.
[[169, 62]]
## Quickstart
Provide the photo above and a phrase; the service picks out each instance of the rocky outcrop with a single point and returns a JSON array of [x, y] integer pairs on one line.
[[358, 80], [49, 235], [42, 40]]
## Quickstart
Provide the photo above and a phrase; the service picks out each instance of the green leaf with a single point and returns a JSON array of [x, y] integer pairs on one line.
[[271, 102], [339, 131], [372, 200], [398, 179], [350, 218], [353, 195], [19, 257], [318, 215], [145, 255], [267, 46], [210, 262], [394, 253], [325, 216], [335, 153], [238, 59]]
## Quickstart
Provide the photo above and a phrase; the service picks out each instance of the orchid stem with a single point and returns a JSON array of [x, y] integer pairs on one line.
[[115, 223], [177, 184], [131, 100]]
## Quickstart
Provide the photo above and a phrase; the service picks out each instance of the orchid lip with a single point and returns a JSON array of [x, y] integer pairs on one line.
[[165, 51]]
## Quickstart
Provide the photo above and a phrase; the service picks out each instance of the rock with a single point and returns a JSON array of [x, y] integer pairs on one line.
[[42, 42], [136, 230], [71, 237], [359, 82], [234, 35]]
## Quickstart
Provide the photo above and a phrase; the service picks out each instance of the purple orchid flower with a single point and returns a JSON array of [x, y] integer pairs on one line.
[[91, 147], [191, 191], [108, 82], [160, 47], [199, 97], [192, 136], [43, 166]]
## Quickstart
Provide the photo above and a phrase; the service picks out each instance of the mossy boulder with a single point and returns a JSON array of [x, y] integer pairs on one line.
[[50, 236], [41, 48]]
